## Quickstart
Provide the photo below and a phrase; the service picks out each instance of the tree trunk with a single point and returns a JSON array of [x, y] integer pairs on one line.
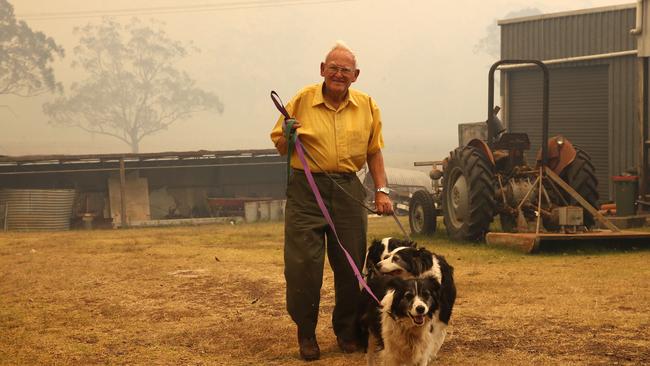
[[135, 147], [135, 142]]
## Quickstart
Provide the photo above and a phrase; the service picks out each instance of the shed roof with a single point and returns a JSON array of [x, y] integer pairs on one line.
[[600, 9], [98, 162]]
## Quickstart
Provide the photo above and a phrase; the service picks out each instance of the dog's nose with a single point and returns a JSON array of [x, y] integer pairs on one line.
[[420, 309]]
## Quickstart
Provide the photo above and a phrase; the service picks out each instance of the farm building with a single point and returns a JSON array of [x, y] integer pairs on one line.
[[598, 63], [39, 192], [56, 192]]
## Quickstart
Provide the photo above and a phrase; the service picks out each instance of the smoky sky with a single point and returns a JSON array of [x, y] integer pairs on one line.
[[420, 60]]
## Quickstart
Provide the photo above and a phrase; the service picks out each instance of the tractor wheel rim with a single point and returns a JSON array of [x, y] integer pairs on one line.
[[459, 200], [418, 217]]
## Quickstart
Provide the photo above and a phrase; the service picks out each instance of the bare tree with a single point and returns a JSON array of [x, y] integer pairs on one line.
[[25, 57], [133, 88]]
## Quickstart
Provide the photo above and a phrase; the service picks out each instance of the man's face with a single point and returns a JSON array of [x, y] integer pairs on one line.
[[339, 71]]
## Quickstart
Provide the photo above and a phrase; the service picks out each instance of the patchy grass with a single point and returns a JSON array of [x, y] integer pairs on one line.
[[214, 295]]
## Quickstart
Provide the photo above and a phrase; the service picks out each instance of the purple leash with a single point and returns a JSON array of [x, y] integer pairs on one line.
[[312, 184]]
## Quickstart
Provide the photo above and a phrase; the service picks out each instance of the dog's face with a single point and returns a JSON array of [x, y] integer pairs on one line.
[[380, 249], [406, 262], [412, 300]]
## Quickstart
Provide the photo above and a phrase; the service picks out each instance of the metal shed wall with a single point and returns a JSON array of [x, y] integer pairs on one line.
[[590, 32], [38, 209], [579, 111], [546, 37]]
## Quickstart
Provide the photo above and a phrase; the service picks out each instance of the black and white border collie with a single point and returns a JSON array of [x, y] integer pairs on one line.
[[408, 324], [398, 272], [380, 250]]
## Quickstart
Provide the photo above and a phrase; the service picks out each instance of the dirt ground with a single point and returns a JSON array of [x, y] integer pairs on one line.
[[214, 295]]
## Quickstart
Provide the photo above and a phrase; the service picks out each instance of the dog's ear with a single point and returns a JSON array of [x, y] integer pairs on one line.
[[403, 243], [378, 283], [432, 286], [395, 282], [398, 286], [423, 260], [375, 242], [374, 252], [426, 256]]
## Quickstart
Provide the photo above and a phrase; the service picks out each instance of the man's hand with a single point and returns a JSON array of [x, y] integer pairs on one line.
[[295, 125], [383, 204], [281, 143]]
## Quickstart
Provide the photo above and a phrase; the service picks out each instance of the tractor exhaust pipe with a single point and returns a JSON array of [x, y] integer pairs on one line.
[[492, 133]]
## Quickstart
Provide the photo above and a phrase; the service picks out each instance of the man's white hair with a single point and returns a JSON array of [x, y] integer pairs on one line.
[[342, 46]]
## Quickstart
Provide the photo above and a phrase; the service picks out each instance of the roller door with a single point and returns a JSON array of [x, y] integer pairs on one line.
[[578, 110]]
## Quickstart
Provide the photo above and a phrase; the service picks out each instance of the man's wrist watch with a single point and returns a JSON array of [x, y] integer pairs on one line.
[[384, 190]]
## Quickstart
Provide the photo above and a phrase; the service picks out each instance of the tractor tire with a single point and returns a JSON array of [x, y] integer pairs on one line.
[[581, 176], [468, 203], [422, 213]]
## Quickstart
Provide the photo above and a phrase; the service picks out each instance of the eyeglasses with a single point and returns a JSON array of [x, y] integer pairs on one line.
[[333, 69]]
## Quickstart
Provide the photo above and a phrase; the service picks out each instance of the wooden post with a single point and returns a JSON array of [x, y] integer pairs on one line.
[[642, 125], [5, 216], [539, 199], [124, 222]]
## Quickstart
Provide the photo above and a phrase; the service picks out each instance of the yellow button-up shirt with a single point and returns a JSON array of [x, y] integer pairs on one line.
[[338, 139]]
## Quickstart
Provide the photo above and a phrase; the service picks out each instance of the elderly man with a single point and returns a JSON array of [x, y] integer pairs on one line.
[[341, 130]]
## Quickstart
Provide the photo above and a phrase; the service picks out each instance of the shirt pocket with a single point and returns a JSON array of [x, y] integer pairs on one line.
[[358, 143]]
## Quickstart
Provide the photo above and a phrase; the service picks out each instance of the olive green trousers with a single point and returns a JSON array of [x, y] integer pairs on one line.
[[308, 237]]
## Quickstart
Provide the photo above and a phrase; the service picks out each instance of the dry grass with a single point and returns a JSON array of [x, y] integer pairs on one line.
[[214, 295]]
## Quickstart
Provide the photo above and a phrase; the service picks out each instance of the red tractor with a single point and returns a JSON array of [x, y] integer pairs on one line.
[[485, 179]]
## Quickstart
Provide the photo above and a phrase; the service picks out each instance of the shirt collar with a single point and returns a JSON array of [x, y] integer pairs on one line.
[[319, 99]]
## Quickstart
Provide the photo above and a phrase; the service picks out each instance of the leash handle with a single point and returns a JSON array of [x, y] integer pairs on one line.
[[279, 105], [289, 133]]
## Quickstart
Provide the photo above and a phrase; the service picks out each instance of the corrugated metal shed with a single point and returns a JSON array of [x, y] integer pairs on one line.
[[592, 32], [569, 34], [38, 209], [579, 97]]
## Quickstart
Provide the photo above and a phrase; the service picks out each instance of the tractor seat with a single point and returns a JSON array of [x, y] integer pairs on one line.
[[513, 141]]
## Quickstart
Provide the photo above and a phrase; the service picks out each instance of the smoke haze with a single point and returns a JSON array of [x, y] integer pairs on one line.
[[418, 59]]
